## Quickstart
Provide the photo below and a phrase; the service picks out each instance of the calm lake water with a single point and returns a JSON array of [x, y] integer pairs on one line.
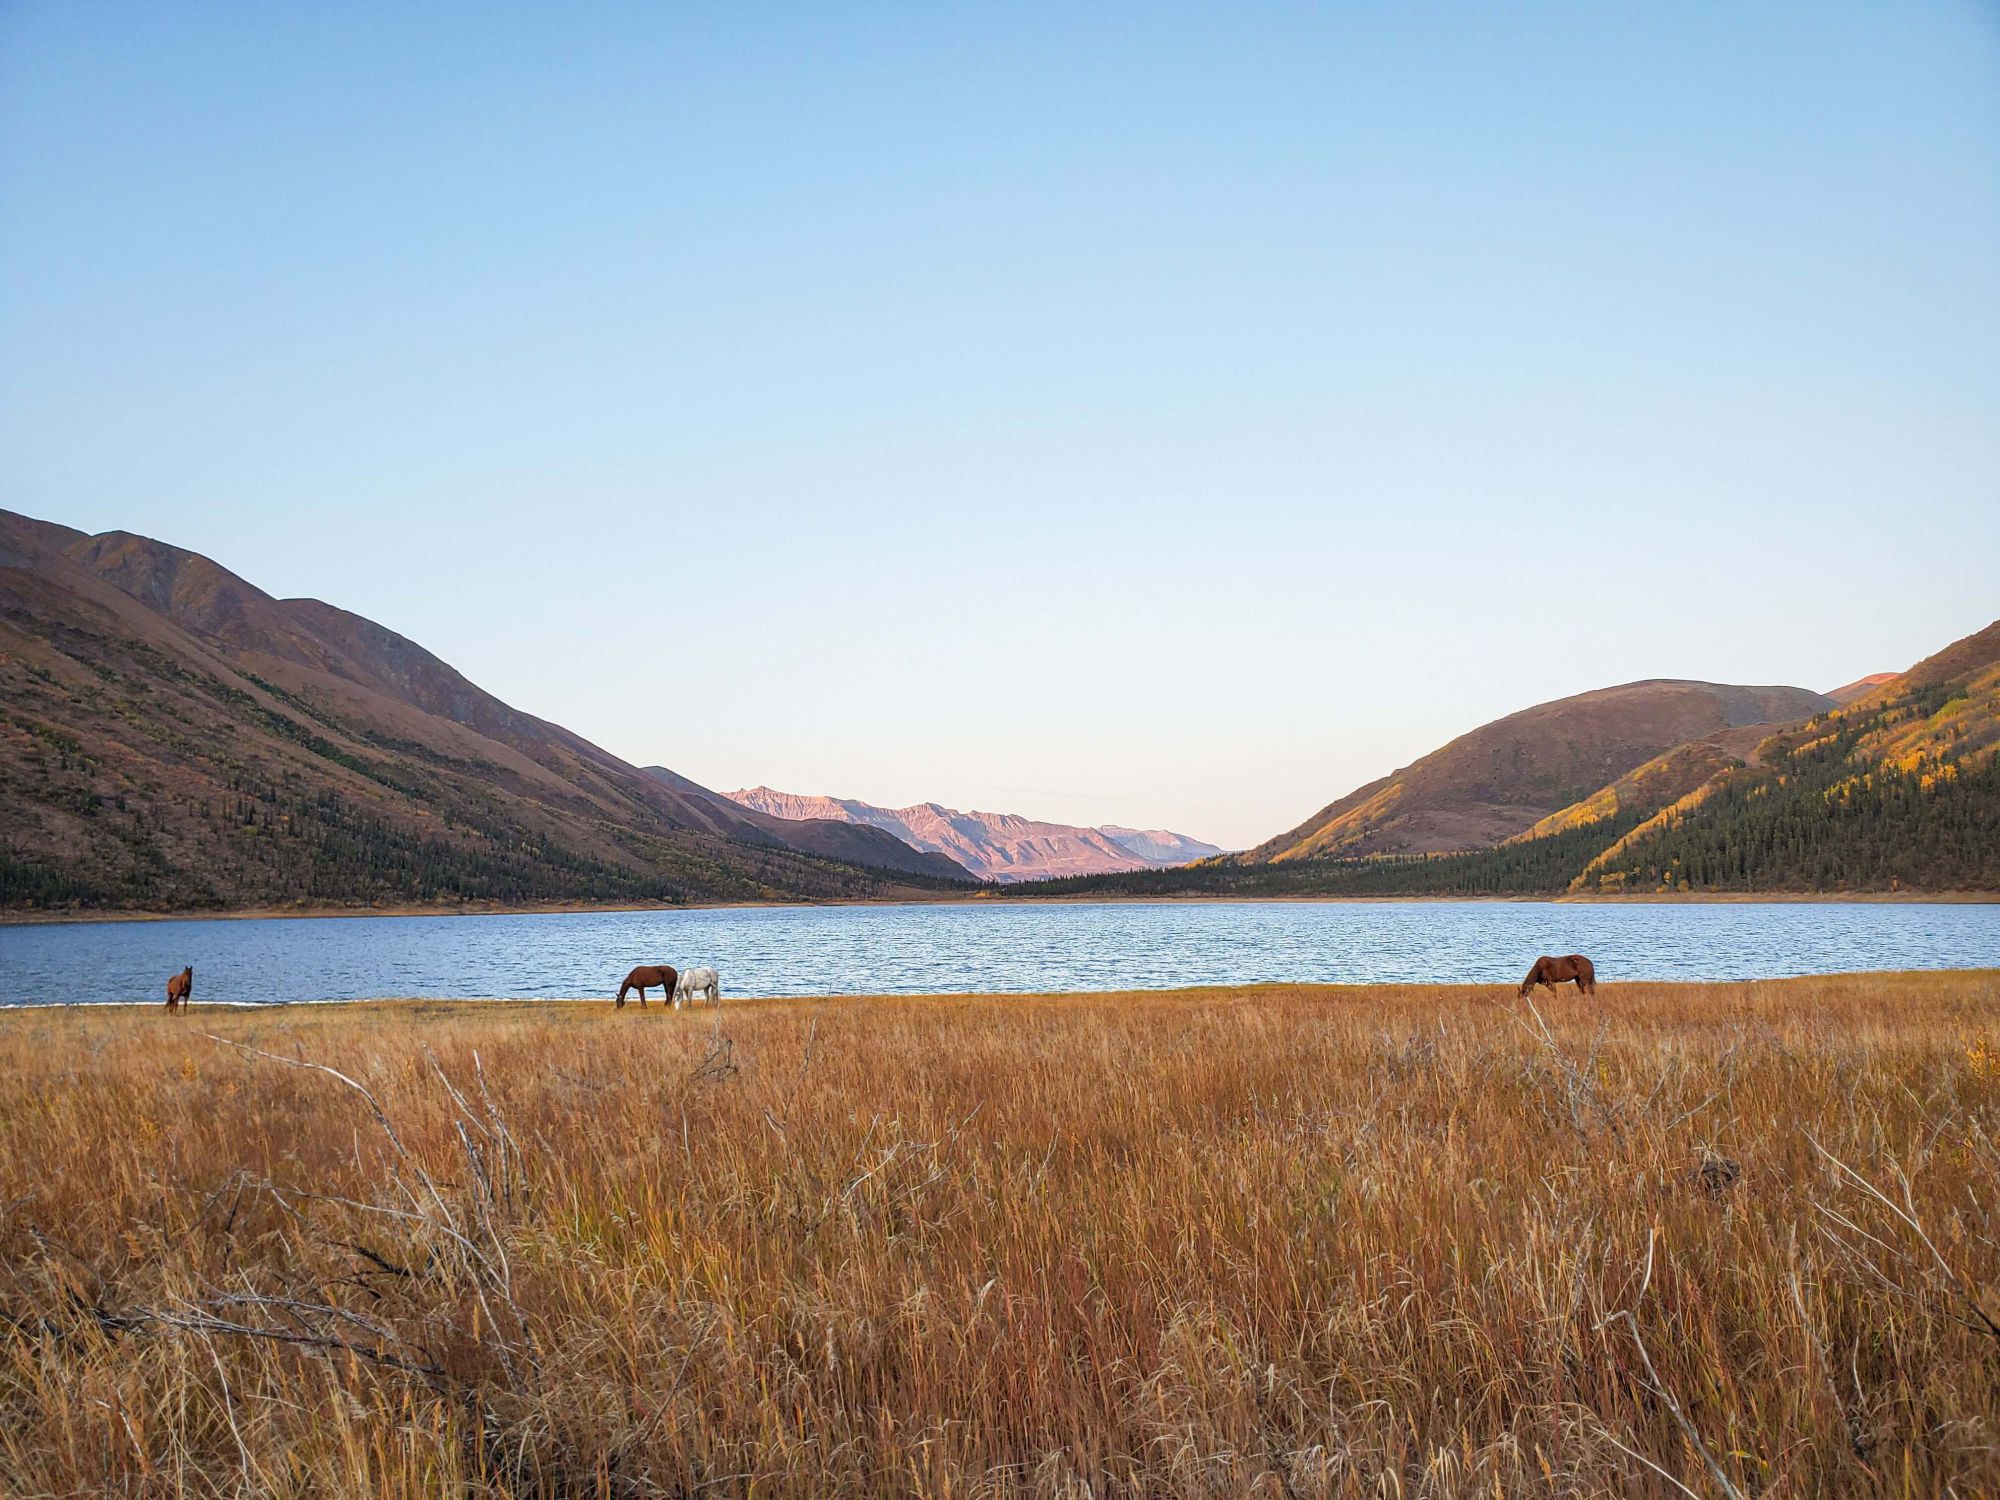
[[979, 946]]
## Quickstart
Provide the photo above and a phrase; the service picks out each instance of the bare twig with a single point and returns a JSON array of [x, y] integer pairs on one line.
[[205, 1323], [1954, 1284], [1729, 1487], [484, 1267]]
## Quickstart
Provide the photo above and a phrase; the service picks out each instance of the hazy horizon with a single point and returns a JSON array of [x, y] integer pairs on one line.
[[1154, 417]]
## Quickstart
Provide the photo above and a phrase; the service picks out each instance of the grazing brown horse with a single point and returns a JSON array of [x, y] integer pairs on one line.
[[180, 989], [645, 977], [1555, 971]]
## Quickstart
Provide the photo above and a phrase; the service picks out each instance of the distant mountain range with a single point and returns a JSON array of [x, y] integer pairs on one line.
[[1001, 847], [1158, 846], [1891, 782], [172, 737]]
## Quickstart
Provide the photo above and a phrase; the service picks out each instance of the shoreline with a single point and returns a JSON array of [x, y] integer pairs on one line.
[[1650, 898], [19, 918], [1329, 989]]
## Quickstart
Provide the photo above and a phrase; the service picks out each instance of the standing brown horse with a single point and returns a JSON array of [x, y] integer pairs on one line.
[[1555, 971], [180, 989], [646, 976]]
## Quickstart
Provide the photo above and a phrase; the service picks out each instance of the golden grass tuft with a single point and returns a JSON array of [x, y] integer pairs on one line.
[[1279, 1241]]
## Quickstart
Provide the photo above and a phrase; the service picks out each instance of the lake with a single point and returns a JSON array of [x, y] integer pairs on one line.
[[977, 946]]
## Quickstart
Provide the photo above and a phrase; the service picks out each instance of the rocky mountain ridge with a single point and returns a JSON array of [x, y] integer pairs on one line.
[[1001, 847]]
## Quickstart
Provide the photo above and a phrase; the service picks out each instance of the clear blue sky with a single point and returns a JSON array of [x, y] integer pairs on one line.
[[1158, 414]]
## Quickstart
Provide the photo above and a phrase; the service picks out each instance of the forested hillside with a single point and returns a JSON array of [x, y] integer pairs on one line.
[[1500, 780], [1898, 790], [173, 738], [1901, 790]]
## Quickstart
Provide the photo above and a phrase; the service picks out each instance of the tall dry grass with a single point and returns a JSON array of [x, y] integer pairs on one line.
[[1276, 1241]]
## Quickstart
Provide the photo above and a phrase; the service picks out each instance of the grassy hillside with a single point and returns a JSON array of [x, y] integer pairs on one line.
[[173, 738], [1276, 1241], [1501, 779], [1661, 781], [1898, 790]]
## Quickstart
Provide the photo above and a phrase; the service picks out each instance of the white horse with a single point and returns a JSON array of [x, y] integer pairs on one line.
[[697, 984]]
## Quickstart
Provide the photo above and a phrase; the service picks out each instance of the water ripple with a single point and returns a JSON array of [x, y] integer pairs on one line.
[[978, 946]]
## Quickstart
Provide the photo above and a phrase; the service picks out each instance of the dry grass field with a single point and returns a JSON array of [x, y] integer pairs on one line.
[[1398, 1241]]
